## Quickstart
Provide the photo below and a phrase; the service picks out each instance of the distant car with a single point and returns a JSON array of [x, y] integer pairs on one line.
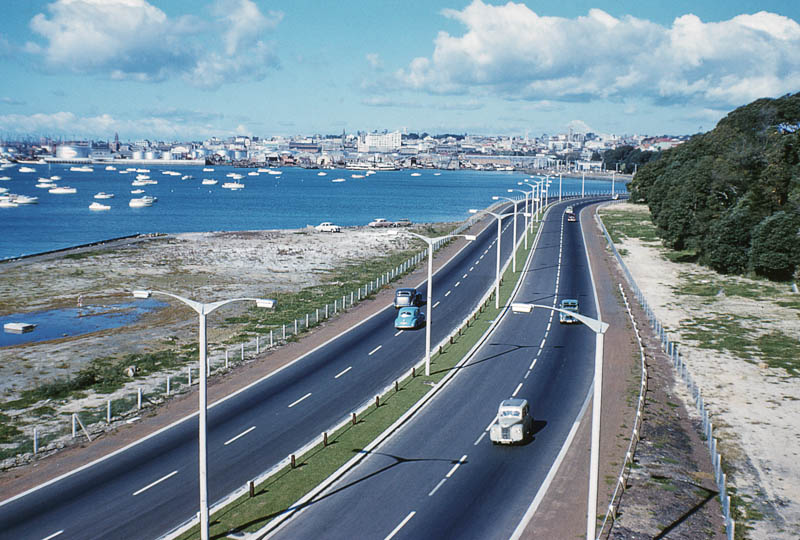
[[402, 222], [568, 304], [615, 196], [327, 226], [569, 210], [514, 422], [407, 297], [572, 217], [409, 318], [380, 222]]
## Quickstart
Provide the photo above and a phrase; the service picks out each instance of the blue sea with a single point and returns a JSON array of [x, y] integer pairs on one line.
[[295, 198]]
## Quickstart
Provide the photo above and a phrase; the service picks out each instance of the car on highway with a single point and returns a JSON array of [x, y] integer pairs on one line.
[[572, 217], [568, 304], [513, 423], [569, 210], [327, 226], [407, 297], [409, 318]]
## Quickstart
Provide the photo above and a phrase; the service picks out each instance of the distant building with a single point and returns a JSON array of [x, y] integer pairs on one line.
[[383, 143]]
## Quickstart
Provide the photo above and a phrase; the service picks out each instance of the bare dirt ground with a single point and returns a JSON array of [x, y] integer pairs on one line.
[[755, 408]]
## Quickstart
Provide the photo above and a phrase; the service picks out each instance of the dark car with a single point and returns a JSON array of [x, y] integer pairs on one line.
[[571, 217], [407, 297]]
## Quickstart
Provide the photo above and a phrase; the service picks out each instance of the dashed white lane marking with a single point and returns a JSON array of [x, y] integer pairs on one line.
[[533, 363], [402, 524], [148, 486], [434, 305], [456, 466], [482, 256], [440, 484], [464, 276], [542, 345], [471, 268], [376, 349], [519, 387], [548, 326], [242, 434], [54, 535], [479, 439], [526, 374], [343, 372], [447, 294], [398, 333], [299, 400], [458, 283]]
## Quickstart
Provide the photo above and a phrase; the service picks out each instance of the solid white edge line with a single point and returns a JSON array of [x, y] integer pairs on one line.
[[299, 400], [402, 524], [456, 466], [343, 372], [476, 443], [440, 484], [54, 535], [148, 486], [376, 349], [519, 387], [242, 434]]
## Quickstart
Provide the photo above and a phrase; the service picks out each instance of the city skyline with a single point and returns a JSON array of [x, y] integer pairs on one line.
[[183, 70]]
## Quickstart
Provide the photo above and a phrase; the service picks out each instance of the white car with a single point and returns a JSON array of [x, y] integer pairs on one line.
[[380, 222], [327, 226], [514, 422]]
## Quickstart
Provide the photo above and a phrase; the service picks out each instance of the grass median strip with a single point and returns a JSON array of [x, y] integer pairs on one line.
[[282, 490]]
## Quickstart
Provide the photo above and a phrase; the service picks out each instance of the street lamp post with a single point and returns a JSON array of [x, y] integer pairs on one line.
[[599, 328], [499, 218], [559, 186], [533, 190], [514, 243], [203, 310], [431, 242], [527, 213]]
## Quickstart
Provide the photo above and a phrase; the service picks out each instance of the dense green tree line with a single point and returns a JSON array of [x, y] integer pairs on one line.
[[733, 194], [626, 159]]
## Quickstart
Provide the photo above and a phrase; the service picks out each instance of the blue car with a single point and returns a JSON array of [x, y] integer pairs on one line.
[[409, 318]]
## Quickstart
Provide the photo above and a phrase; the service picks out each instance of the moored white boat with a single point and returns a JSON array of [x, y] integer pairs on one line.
[[337, 180], [357, 175], [83, 168], [99, 206], [110, 168], [252, 173], [46, 185], [208, 169], [5, 178], [137, 191], [209, 182], [142, 201], [26, 169], [274, 172], [24, 199], [62, 190], [103, 195], [416, 174], [6, 202], [55, 177], [322, 173], [233, 185]]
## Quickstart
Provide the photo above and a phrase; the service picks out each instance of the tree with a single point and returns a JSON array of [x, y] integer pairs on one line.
[[776, 246]]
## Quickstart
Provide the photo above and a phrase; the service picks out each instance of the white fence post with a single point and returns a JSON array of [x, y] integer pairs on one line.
[[139, 398], [189, 370], [35, 440], [270, 339], [258, 348], [242, 352], [108, 412], [226, 358], [74, 426], [168, 385]]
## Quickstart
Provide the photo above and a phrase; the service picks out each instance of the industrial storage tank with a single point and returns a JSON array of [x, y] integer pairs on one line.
[[149, 155], [137, 154]]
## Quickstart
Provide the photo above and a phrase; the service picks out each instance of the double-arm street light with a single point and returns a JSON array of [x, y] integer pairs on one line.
[[514, 243], [527, 211], [534, 188], [538, 199], [499, 218], [599, 328], [431, 242], [203, 310]]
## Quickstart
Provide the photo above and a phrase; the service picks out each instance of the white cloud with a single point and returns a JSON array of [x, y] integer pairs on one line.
[[134, 40], [374, 61], [512, 51]]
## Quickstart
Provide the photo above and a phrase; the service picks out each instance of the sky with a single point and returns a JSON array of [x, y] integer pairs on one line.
[[178, 70]]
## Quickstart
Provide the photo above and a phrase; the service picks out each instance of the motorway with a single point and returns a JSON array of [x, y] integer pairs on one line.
[[151, 487], [440, 476]]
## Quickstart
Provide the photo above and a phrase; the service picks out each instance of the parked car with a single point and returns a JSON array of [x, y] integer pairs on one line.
[[569, 304], [405, 222], [380, 222], [327, 226], [409, 318], [407, 297], [572, 217], [514, 422]]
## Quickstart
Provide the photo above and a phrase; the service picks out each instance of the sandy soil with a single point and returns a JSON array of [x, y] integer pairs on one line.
[[755, 408]]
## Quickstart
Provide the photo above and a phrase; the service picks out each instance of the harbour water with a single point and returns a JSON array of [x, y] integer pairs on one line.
[[292, 199]]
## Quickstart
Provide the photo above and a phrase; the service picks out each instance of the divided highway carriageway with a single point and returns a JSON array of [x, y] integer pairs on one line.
[[151, 487]]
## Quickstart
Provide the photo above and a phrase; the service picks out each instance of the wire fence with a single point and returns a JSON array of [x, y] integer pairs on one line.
[[670, 347]]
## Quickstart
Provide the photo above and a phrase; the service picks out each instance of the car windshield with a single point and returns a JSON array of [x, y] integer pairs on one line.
[[510, 413]]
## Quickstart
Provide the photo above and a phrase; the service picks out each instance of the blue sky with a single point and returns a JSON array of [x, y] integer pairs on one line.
[[180, 69]]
